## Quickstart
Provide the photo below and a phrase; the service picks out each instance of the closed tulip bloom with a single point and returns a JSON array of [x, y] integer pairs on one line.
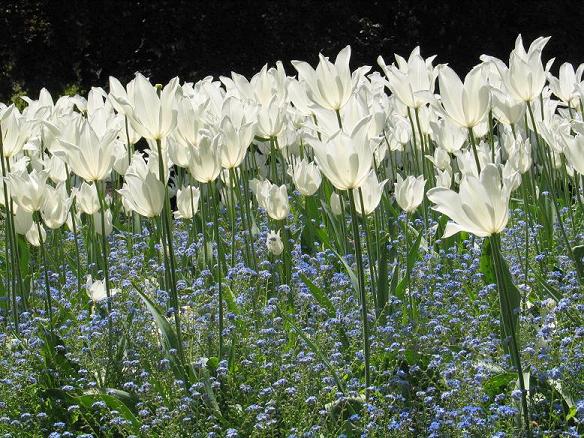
[[108, 222], [235, 140], [87, 199], [335, 203], [261, 189], [448, 135], [14, 133], [274, 243], [443, 178], [372, 191], [187, 202], [481, 207], [56, 168], [505, 109], [440, 159], [22, 220], [56, 207], [330, 85], [466, 104], [270, 119], [409, 193], [277, 202], [28, 190], [143, 194], [345, 159], [205, 162], [574, 152], [306, 177], [565, 86]]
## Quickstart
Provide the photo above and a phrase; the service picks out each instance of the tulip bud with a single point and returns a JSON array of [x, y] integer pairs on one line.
[[277, 202], [335, 202], [187, 202], [274, 243], [371, 193], [306, 177], [87, 199], [409, 193], [108, 222], [96, 290]]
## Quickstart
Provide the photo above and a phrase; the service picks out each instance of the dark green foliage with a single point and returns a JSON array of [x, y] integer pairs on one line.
[[57, 44]]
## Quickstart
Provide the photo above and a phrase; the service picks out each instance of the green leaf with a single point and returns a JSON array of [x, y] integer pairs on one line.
[[486, 264], [24, 262], [578, 257], [315, 349], [167, 334], [509, 296], [383, 277], [319, 295], [411, 260], [112, 402], [498, 383]]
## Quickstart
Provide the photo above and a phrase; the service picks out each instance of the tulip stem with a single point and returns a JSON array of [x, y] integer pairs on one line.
[[169, 261], [215, 203], [46, 273], [104, 250], [369, 246], [507, 313], [362, 294], [578, 266], [473, 143]]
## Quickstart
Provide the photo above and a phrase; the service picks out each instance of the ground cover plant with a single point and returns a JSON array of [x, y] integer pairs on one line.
[[344, 252]]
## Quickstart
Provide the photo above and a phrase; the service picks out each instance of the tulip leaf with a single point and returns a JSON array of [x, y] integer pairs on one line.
[[486, 264], [383, 277], [24, 262], [315, 349], [578, 257], [319, 295], [509, 296], [167, 334], [113, 402], [323, 300], [411, 260], [498, 383]]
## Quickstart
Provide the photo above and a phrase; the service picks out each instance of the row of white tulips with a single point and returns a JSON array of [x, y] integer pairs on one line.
[[466, 149]]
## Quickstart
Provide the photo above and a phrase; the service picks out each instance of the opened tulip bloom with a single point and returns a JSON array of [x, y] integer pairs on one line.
[[151, 115], [345, 159], [91, 157], [330, 85], [481, 207], [412, 81], [28, 190], [466, 104]]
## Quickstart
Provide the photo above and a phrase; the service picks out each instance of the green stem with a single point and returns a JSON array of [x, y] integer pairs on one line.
[[507, 313], [215, 203], [362, 294]]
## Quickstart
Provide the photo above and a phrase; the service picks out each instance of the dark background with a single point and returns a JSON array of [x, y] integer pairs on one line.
[[63, 43]]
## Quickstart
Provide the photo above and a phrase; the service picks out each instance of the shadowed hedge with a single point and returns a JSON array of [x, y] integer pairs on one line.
[[57, 44]]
